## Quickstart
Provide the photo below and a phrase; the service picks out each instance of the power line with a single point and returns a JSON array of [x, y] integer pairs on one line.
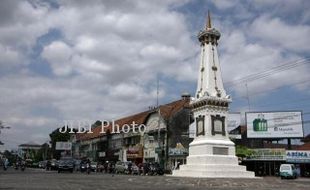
[[269, 72], [283, 117], [286, 102], [272, 89]]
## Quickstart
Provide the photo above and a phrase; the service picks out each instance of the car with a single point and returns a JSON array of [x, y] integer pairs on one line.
[[288, 171], [42, 164], [121, 167], [66, 165]]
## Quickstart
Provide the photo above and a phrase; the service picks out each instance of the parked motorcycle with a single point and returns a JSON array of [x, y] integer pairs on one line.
[[16, 166], [23, 166], [155, 169]]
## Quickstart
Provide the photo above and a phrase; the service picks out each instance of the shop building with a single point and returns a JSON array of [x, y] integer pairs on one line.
[[165, 128]]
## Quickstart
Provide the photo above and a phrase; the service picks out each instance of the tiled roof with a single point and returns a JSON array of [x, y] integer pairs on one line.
[[272, 145], [305, 146], [166, 112]]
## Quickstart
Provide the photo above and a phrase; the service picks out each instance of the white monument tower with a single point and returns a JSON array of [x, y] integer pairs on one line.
[[211, 154]]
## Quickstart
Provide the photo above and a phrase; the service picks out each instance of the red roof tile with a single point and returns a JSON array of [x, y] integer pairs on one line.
[[305, 146], [166, 112]]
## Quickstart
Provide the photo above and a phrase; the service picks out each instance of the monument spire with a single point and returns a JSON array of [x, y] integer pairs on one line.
[[211, 153], [210, 77], [209, 20]]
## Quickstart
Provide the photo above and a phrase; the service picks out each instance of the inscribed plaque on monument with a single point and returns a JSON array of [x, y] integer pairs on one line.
[[218, 125], [200, 125]]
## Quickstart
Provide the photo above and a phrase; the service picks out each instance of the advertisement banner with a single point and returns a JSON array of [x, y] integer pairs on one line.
[[274, 125], [267, 154], [63, 145], [297, 156]]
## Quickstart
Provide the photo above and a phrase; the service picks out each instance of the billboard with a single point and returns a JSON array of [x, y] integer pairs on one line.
[[233, 123], [297, 156], [274, 124], [63, 145]]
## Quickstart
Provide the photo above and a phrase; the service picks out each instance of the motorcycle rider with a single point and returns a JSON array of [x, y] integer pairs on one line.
[[88, 166], [22, 165]]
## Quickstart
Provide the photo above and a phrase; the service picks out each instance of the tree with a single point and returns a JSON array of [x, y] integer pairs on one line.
[[56, 136], [243, 152]]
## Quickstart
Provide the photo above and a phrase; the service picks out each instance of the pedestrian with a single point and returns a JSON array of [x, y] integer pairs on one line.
[[5, 163]]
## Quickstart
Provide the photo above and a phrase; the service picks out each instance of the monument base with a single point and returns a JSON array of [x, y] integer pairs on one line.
[[212, 159]]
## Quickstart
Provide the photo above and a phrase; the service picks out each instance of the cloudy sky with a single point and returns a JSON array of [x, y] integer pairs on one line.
[[91, 60]]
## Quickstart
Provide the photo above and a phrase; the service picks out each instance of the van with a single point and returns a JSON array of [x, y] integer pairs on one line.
[[288, 171]]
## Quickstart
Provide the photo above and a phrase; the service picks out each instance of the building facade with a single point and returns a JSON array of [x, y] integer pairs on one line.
[[164, 140]]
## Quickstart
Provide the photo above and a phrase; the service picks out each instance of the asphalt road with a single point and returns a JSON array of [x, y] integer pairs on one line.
[[39, 179]]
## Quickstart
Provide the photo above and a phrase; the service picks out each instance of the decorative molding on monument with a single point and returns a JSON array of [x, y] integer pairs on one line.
[[210, 109], [210, 101], [210, 35]]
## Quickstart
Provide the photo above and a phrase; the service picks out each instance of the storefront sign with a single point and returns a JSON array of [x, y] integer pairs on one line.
[[267, 154], [101, 154], [179, 150], [63, 145], [135, 152], [298, 156], [274, 124]]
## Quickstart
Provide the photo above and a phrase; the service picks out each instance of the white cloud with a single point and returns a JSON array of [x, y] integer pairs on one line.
[[224, 4], [294, 38], [9, 57], [59, 55], [106, 61]]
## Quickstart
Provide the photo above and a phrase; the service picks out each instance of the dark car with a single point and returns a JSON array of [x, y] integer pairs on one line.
[[65, 165]]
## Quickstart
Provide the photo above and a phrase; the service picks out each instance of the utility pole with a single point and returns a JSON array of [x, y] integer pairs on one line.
[[158, 122]]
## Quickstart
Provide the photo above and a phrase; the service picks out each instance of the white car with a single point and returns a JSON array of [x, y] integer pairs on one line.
[[288, 171]]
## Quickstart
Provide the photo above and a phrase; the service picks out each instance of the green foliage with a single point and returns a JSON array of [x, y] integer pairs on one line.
[[243, 151], [10, 156], [56, 136]]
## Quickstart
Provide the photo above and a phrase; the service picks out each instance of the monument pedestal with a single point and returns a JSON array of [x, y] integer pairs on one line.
[[212, 159]]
